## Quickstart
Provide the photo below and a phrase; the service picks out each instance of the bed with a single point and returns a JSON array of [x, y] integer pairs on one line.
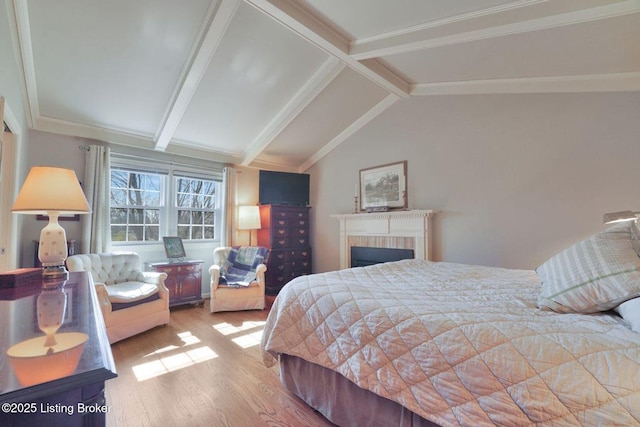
[[422, 343]]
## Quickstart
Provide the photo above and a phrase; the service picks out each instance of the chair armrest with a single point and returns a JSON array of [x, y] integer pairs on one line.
[[155, 277], [103, 299], [220, 254], [214, 270], [260, 269]]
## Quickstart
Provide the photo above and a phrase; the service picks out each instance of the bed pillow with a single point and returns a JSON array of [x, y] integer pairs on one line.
[[594, 275], [630, 311], [635, 237]]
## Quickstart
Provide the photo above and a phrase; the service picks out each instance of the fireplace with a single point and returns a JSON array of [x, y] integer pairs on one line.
[[410, 230], [362, 256]]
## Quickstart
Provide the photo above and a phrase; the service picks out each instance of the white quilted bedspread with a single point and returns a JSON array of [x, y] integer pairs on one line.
[[460, 345]]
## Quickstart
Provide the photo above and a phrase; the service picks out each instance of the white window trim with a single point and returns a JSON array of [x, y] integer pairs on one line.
[[170, 170]]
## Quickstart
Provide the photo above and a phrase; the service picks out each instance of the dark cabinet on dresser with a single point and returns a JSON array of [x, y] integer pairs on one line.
[[285, 230], [184, 280]]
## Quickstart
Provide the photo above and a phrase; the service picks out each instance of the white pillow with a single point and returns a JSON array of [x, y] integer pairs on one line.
[[594, 275], [635, 237], [630, 311]]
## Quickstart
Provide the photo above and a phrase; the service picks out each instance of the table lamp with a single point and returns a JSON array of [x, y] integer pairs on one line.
[[249, 219], [51, 191]]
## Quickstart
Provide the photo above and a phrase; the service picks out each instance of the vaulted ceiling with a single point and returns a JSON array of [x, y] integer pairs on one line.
[[279, 83]]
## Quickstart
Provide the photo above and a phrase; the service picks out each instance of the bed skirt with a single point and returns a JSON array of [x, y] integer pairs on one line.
[[341, 401]]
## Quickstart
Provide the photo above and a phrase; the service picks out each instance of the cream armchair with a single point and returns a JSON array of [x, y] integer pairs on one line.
[[237, 278], [132, 301]]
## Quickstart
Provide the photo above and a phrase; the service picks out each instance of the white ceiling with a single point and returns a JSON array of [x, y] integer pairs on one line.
[[278, 84]]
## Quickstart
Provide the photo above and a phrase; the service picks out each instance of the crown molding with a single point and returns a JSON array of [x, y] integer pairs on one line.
[[516, 18], [614, 82]]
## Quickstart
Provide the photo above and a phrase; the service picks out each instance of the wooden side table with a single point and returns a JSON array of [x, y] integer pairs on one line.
[[184, 280]]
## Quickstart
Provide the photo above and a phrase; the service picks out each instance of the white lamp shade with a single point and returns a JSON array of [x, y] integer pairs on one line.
[[49, 189], [248, 218]]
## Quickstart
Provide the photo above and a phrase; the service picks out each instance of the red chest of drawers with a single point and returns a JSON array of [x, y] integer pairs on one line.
[[285, 230]]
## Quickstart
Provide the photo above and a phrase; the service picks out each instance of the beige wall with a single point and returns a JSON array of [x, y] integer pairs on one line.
[[517, 177], [48, 149]]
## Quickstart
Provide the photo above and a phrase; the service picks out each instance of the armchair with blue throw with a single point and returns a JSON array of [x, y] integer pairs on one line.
[[237, 278]]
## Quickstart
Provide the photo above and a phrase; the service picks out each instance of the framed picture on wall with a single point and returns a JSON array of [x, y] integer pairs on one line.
[[384, 186]]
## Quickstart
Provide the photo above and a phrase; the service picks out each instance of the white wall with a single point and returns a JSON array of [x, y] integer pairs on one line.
[[48, 149], [10, 83], [517, 177]]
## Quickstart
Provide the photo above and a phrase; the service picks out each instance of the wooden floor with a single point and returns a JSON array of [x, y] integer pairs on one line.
[[202, 369]]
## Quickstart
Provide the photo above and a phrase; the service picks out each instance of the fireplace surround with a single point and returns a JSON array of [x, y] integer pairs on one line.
[[411, 229]]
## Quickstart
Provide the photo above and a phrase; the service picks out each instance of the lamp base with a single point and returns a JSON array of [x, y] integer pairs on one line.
[[54, 273]]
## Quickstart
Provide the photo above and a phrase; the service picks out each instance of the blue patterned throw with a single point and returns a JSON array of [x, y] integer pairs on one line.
[[241, 264]]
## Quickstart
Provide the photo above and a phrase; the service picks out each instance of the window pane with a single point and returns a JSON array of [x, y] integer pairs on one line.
[[208, 202], [118, 216], [118, 197], [152, 183], [119, 179], [152, 216], [196, 217], [184, 217], [135, 233], [152, 198], [152, 232], [136, 216], [183, 185], [184, 200], [209, 218], [135, 180], [183, 231], [196, 233], [209, 233], [118, 233]]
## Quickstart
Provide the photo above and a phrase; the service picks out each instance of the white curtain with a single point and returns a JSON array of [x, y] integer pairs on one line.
[[96, 231], [229, 176]]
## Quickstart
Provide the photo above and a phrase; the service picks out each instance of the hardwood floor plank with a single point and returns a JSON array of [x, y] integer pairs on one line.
[[202, 369]]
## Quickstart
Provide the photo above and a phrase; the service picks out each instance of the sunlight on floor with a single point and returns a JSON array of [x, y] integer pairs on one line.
[[248, 340], [174, 362], [244, 341], [227, 328], [186, 337]]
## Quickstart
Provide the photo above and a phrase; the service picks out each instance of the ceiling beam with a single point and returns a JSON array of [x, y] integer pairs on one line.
[[614, 82], [312, 88], [303, 23], [521, 17], [217, 24]]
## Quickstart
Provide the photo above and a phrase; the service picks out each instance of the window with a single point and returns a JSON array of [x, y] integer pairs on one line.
[[135, 206], [196, 203], [140, 211]]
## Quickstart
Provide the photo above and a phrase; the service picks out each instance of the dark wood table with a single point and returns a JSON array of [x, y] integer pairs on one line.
[[75, 399], [184, 280]]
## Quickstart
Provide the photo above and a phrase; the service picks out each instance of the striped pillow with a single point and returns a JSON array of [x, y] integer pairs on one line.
[[594, 275]]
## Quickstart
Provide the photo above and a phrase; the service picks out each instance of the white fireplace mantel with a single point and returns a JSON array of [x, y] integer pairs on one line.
[[394, 229]]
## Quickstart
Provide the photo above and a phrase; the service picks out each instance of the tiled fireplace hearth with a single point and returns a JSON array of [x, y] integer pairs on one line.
[[394, 229]]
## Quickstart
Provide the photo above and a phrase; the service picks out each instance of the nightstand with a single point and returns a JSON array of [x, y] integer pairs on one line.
[[184, 280]]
